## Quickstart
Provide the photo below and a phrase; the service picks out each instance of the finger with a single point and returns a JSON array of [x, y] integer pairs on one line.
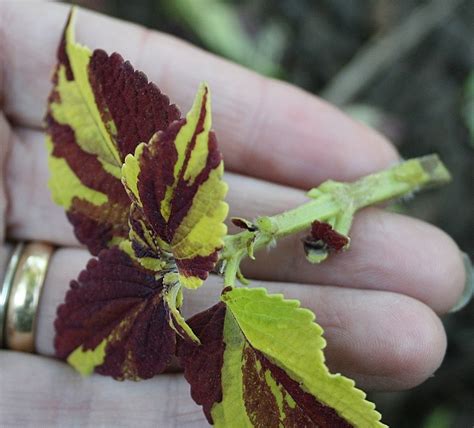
[[32, 215], [266, 128], [383, 340], [57, 396], [388, 251]]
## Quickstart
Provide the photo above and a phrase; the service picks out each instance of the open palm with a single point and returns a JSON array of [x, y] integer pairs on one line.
[[378, 303]]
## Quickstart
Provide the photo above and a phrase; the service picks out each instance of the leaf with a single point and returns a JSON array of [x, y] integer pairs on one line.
[[176, 184], [203, 364], [242, 223], [260, 363], [322, 241], [117, 319], [99, 110]]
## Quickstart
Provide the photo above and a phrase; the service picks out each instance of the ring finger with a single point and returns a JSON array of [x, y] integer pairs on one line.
[[384, 340]]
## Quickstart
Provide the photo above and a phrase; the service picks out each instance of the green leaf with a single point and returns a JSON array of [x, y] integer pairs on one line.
[[271, 369]]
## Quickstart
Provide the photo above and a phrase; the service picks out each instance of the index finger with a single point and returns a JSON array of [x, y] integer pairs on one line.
[[266, 128]]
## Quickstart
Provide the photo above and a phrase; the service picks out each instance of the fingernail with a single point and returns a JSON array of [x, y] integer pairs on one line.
[[468, 286]]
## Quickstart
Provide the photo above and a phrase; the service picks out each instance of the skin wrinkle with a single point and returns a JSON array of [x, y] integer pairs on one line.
[[4, 98], [3, 62], [57, 395], [257, 121], [5, 148], [170, 404], [181, 416], [340, 325], [13, 176], [227, 98], [295, 253], [69, 402], [332, 318], [146, 36], [32, 172]]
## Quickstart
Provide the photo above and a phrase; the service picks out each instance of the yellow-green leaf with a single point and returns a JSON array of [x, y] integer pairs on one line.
[[263, 360]]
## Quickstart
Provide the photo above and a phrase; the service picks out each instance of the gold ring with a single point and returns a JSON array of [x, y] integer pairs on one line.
[[27, 275]]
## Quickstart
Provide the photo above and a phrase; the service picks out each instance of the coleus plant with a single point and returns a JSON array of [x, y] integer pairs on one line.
[[143, 189]]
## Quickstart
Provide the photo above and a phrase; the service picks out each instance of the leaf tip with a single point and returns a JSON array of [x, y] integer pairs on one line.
[[69, 29], [201, 106]]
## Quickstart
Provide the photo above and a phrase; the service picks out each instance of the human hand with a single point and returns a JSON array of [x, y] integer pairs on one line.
[[377, 302]]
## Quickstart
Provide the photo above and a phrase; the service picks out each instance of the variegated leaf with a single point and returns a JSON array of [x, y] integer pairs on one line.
[[176, 184], [118, 319], [261, 364], [99, 110]]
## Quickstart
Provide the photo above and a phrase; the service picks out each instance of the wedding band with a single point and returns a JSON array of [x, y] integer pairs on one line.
[[26, 273]]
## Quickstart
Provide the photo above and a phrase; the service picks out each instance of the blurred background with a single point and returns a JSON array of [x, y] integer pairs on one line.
[[405, 67]]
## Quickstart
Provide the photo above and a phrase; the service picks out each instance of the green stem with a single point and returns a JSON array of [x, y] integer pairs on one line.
[[336, 203]]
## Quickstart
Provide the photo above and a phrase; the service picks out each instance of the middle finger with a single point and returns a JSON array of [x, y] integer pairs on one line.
[[388, 251]]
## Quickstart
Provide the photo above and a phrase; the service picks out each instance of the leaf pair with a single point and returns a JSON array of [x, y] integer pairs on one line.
[[144, 191]]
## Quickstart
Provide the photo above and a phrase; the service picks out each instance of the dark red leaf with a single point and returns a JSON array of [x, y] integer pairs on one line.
[[203, 363], [324, 237], [117, 300]]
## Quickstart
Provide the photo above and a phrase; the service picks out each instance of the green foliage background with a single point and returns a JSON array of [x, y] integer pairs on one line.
[[422, 99]]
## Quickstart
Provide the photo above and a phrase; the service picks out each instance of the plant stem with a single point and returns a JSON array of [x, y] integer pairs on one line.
[[335, 203]]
